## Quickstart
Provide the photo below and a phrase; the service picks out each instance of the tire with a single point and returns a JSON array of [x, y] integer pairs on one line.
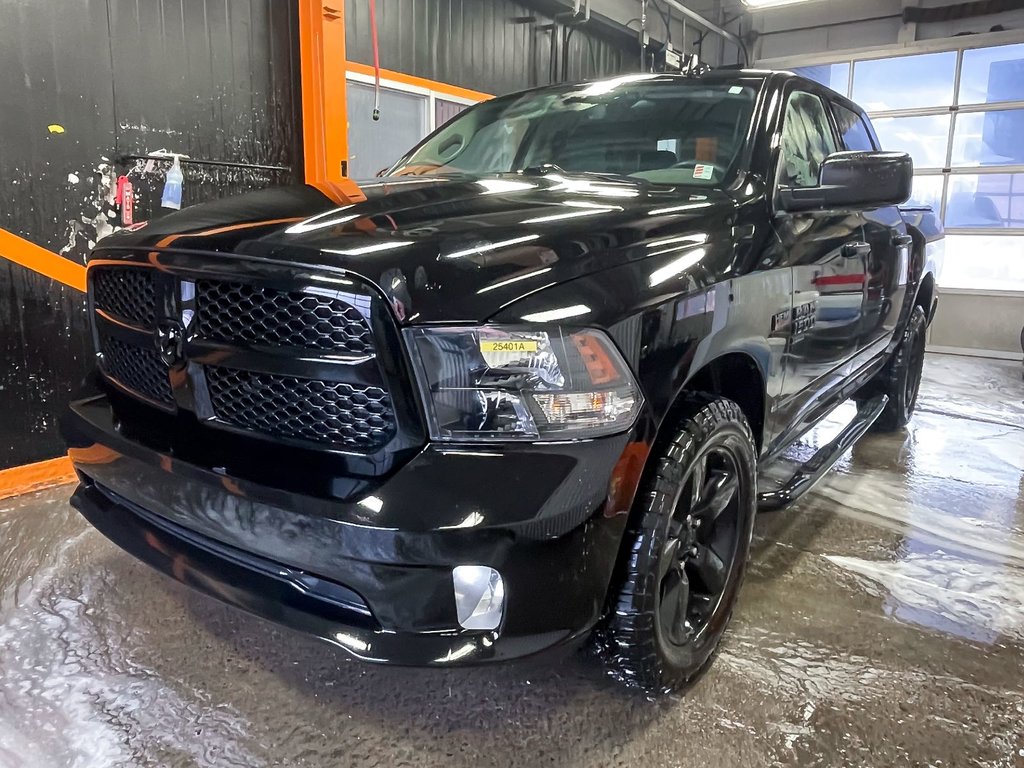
[[660, 638], [901, 377]]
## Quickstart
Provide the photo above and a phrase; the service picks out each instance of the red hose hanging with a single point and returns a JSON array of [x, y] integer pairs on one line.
[[376, 60]]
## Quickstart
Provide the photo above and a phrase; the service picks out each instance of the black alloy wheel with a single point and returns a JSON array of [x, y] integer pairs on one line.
[[915, 369], [686, 549], [901, 378], [700, 548]]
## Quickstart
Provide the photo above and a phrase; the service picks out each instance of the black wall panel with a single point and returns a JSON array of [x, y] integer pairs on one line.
[[44, 348], [478, 43], [214, 79], [56, 63]]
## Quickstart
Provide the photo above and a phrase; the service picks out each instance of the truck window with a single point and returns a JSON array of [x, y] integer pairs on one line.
[[659, 130], [852, 129], [806, 140]]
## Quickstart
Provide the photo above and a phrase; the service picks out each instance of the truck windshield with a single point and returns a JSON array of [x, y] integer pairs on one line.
[[661, 130]]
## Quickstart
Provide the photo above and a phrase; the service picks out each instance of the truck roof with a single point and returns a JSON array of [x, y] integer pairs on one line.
[[716, 76]]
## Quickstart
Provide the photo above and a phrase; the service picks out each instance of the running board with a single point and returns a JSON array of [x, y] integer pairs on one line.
[[812, 471]]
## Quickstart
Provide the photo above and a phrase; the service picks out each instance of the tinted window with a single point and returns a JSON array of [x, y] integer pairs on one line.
[[662, 131], [806, 141], [852, 129]]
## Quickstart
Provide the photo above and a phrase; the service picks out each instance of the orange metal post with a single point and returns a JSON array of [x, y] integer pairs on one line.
[[322, 60]]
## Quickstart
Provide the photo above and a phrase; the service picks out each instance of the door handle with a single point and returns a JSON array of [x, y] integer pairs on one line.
[[850, 250], [901, 240]]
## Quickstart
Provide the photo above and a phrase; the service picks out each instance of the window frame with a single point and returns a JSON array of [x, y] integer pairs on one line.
[[431, 94]]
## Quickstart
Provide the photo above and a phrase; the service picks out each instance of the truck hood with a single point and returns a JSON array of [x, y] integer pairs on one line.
[[449, 249]]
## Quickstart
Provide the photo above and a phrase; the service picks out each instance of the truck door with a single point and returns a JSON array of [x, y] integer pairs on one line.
[[888, 259], [827, 254]]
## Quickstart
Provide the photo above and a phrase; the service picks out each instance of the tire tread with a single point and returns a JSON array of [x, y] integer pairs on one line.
[[631, 644]]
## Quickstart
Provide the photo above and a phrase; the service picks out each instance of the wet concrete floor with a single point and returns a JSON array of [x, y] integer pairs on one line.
[[882, 623]]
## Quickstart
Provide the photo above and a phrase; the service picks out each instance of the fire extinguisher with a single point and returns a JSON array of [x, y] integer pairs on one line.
[[125, 199]]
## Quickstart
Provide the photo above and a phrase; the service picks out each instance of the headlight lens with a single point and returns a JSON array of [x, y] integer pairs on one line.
[[507, 383]]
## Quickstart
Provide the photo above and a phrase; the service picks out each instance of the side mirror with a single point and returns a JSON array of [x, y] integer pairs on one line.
[[854, 180]]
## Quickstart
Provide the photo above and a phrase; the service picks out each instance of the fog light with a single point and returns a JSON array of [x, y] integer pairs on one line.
[[479, 596]]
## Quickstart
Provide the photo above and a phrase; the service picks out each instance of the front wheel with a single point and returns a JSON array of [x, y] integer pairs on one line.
[[687, 549]]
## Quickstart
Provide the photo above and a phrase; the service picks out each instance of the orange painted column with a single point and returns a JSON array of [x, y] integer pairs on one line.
[[322, 68]]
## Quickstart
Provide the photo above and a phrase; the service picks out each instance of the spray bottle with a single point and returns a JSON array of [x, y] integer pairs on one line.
[[172, 187]]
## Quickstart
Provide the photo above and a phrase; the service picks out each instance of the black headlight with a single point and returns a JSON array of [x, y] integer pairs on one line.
[[511, 383]]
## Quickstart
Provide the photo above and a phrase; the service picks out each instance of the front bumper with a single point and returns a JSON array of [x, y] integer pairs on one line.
[[373, 575]]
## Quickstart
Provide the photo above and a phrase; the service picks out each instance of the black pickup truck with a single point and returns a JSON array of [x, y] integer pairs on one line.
[[517, 392]]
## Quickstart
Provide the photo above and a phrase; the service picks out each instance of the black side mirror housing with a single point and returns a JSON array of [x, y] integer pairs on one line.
[[854, 180]]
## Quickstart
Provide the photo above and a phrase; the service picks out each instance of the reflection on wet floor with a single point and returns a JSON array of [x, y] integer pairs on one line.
[[882, 623]]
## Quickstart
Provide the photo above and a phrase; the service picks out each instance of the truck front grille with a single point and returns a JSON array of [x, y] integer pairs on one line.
[[240, 313], [126, 293], [293, 361], [359, 418], [136, 369]]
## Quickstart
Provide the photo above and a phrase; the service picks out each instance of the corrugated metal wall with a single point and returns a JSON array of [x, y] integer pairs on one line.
[[215, 79], [476, 43]]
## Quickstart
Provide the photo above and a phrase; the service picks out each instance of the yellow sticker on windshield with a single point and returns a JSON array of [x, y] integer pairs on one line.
[[508, 345]]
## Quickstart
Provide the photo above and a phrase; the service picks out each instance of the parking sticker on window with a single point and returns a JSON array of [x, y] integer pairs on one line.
[[701, 171]]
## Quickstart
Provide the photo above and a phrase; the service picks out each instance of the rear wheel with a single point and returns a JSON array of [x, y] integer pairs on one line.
[[901, 377], [687, 552]]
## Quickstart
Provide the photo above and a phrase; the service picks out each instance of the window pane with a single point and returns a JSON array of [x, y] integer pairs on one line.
[[445, 110], [373, 145], [851, 129], [989, 138], [989, 262], [989, 200], [905, 82], [806, 140], [925, 138], [992, 74], [834, 76], [662, 131], [927, 190]]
